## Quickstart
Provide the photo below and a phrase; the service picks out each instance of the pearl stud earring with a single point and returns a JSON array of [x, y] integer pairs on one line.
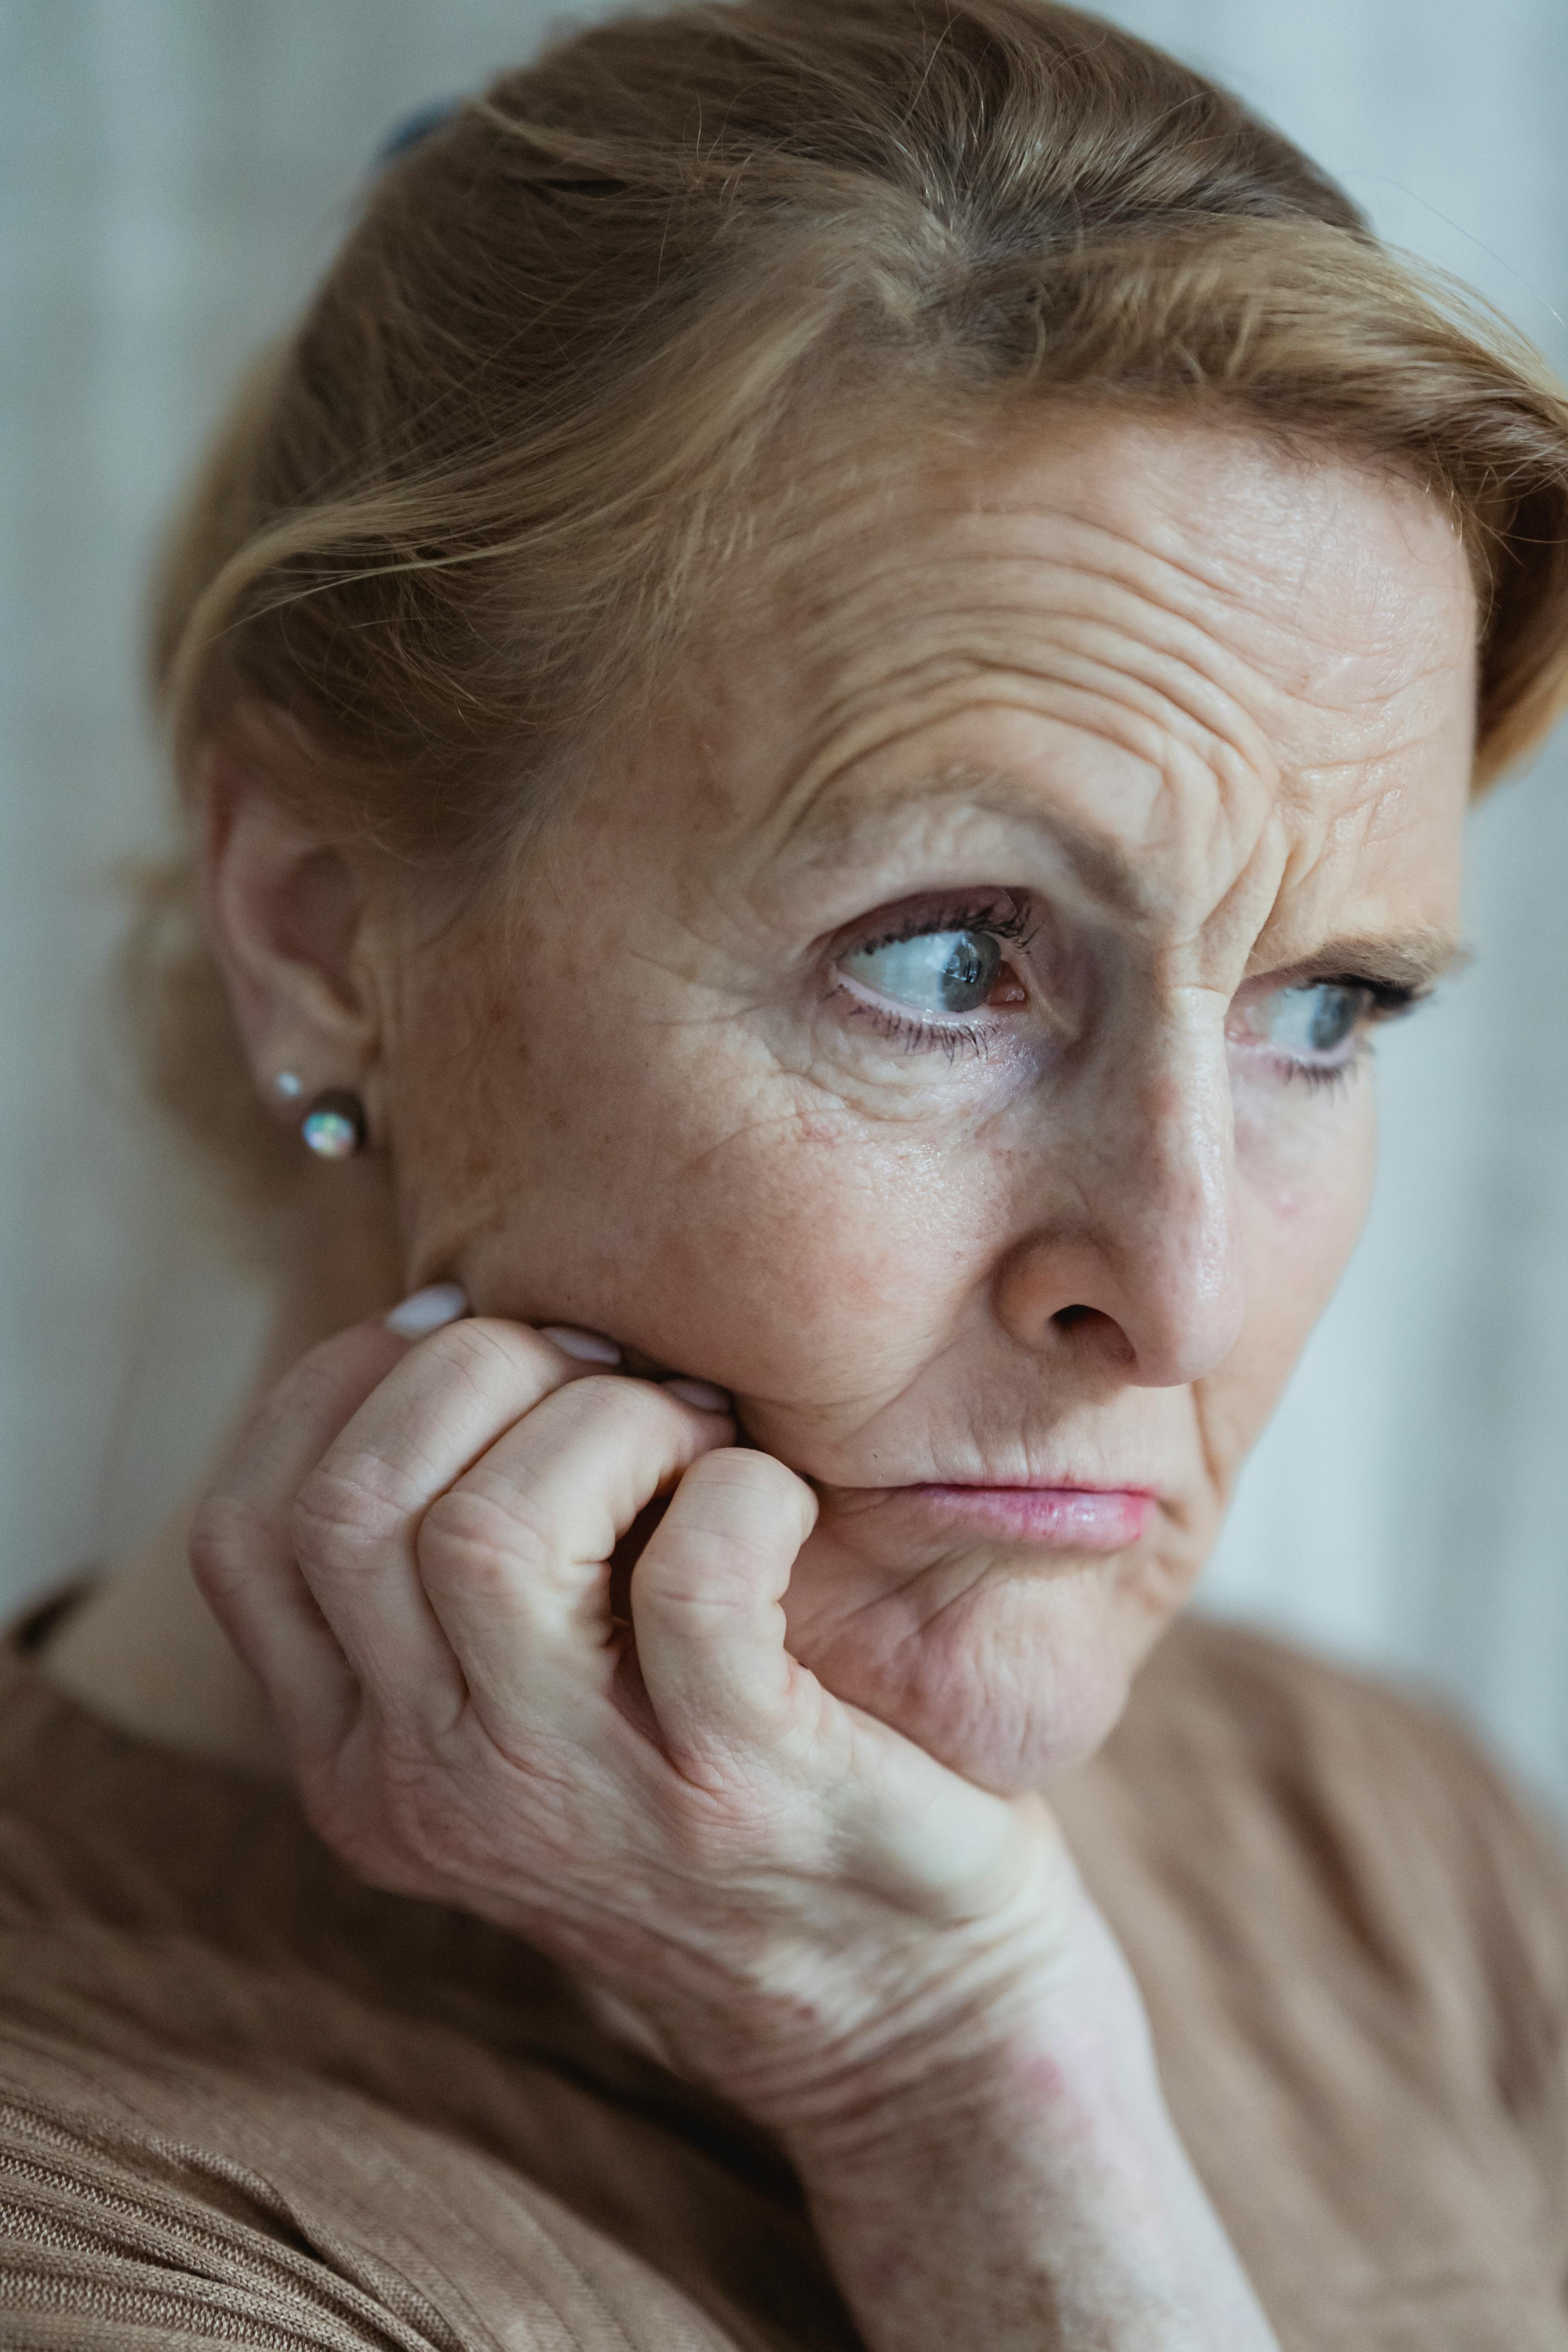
[[334, 1126]]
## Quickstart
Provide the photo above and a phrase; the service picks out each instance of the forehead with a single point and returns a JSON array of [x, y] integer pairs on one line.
[[1175, 645]]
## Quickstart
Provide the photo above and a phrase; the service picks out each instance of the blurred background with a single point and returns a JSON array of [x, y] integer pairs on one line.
[[173, 173]]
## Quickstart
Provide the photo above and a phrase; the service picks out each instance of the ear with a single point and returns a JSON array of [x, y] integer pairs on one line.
[[287, 913]]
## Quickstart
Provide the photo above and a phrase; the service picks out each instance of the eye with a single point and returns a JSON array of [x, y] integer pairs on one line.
[[1313, 1024], [937, 972]]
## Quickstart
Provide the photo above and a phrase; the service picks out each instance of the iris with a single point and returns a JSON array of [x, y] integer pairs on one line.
[[1308, 1023], [937, 972]]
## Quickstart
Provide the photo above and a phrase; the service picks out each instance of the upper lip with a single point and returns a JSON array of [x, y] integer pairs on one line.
[[1047, 1485], [1026, 1482]]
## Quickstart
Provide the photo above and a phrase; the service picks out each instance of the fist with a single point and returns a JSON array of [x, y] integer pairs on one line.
[[490, 1696]]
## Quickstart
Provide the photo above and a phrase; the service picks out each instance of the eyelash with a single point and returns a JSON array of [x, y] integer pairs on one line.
[[1334, 1075]]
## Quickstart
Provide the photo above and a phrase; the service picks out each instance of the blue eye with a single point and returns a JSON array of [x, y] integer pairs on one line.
[[1314, 1024], [937, 972]]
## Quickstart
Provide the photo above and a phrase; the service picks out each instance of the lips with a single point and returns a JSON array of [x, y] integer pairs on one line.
[[1052, 1519], [1057, 1518]]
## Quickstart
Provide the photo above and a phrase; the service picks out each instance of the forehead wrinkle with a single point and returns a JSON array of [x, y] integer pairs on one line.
[[1369, 785], [1102, 866], [1201, 582], [1206, 778], [1094, 550], [1169, 680], [1174, 533], [1155, 692], [1071, 603], [1094, 698]]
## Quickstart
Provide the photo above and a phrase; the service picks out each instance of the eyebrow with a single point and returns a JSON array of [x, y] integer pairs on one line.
[[1405, 965], [1102, 871]]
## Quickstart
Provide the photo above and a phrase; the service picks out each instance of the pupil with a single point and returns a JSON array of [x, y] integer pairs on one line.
[[969, 971], [1334, 1017]]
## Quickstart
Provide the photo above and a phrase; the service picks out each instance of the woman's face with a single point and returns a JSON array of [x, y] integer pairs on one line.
[[947, 1029]]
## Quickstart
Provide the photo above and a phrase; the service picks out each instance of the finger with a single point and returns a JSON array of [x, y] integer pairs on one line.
[[355, 1524], [242, 1553], [515, 1557], [706, 1604]]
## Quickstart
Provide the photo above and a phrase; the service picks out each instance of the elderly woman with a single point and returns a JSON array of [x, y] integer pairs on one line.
[[820, 704]]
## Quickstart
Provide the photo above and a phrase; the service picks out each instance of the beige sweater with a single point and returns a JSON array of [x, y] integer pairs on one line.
[[247, 2102]]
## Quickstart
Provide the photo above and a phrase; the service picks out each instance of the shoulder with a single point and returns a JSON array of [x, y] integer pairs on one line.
[[1325, 1825], [1264, 1727], [1351, 1935], [1273, 1747]]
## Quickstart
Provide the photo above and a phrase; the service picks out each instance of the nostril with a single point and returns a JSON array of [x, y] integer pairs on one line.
[[1068, 1318]]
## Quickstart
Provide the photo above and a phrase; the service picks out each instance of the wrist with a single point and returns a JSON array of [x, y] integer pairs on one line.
[[1034, 2037], [1038, 2186]]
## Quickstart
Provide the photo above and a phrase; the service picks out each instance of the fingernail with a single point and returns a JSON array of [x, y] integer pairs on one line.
[[427, 1309], [701, 1393], [588, 1346]]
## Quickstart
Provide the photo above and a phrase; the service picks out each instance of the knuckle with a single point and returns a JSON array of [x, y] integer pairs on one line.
[[780, 1498], [632, 1410], [745, 1518], [488, 1351], [434, 1826], [472, 1541], [340, 1514], [725, 1829], [702, 1588]]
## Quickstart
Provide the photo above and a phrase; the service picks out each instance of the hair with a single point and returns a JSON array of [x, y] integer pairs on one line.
[[473, 500]]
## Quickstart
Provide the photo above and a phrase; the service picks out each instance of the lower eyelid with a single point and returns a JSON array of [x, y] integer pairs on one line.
[[915, 1028], [1359, 1053]]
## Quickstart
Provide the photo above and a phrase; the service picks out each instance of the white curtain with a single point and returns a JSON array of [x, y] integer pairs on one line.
[[171, 171]]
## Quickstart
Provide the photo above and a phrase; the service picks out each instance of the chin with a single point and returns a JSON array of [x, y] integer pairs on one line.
[[1013, 1684]]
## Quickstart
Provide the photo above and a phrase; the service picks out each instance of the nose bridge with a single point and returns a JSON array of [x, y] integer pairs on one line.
[[1169, 1222], [1150, 1241]]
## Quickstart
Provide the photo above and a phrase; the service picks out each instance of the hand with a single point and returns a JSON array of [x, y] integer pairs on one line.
[[416, 1550], [412, 1548]]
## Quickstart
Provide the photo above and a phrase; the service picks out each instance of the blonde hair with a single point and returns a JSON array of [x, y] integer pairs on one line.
[[473, 500]]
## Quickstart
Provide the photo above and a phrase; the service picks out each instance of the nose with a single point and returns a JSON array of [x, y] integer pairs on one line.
[[1137, 1253]]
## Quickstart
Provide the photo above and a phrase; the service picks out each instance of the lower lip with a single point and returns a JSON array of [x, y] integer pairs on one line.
[[1055, 1518]]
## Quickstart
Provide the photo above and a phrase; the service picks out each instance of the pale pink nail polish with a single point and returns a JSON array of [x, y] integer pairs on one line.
[[427, 1309], [588, 1346], [701, 1393]]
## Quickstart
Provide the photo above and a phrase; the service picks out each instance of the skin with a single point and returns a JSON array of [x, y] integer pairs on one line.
[[1192, 716], [1243, 685]]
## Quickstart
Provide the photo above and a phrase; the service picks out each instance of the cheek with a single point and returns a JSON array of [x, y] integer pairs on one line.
[[808, 1268], [700, 1209], [1304, 1173]]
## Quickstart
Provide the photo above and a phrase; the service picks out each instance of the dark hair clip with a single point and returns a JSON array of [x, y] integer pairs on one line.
[[413, 130]]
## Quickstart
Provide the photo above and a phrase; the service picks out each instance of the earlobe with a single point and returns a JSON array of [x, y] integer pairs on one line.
[[286, 912]]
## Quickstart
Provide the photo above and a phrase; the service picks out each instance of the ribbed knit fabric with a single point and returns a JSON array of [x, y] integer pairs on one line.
[[244, 2100]]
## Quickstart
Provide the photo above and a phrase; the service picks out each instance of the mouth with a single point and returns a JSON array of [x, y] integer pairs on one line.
[[1067, 1519]]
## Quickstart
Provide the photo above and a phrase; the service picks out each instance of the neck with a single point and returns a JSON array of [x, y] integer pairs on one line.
[[143, 1651]]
